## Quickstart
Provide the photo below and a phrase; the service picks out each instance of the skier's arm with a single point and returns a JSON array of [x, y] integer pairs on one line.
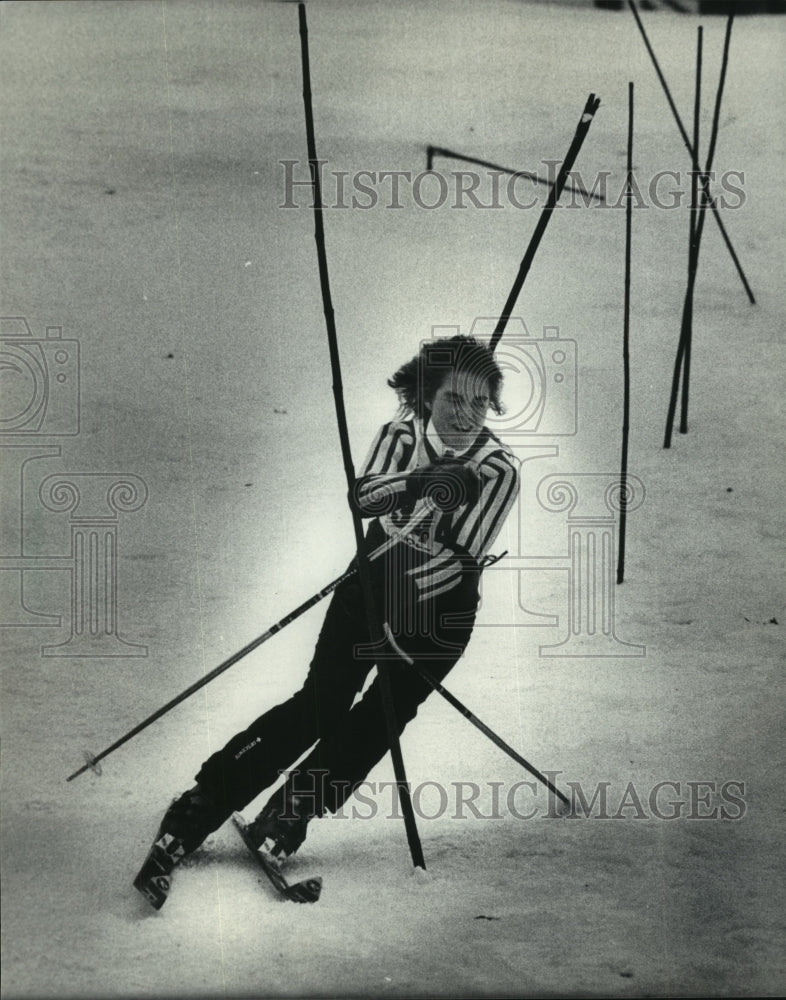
[[387, 481], [379, 494], [475, 530]]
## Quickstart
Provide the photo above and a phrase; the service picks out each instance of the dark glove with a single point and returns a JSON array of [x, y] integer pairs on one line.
[[448, 483]]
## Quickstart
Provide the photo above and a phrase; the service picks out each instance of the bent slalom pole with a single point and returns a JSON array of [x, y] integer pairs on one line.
[[432, 151], [92, 761], [372, 618], [570, 158]]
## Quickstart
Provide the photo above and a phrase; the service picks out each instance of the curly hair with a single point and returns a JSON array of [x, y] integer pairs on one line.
[[417, 381]]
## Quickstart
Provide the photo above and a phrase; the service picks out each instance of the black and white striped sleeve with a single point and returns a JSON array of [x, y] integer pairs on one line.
[[382, 484], [480, 523]]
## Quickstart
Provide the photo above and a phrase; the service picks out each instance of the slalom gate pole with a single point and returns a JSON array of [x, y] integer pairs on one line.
[[687, 311], [682, 361], [557, 188], [692, 152], [207, 678], [376, 635], [686, 332], [626, 346], [432, 151], [581, 131]]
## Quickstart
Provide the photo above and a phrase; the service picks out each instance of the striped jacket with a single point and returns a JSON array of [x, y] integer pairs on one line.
[[444, 537]]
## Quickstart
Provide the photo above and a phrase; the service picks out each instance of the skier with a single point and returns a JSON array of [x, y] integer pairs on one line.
[[437, 486]]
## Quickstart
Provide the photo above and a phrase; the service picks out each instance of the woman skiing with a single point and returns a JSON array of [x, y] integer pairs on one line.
[[436, 486]]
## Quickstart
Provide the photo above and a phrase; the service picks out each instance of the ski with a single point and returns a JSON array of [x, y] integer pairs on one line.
[[306, 891], [154, 879]]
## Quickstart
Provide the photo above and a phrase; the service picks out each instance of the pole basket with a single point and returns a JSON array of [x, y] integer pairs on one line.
[[92, 763]]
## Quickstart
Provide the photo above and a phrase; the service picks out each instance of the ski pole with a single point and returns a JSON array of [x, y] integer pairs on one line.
[[93, 761], [570, 158], [468, 714]]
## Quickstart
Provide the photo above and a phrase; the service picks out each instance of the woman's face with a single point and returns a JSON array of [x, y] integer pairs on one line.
[[459, 408]]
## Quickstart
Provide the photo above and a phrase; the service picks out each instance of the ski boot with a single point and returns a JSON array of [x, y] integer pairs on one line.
[[185, 825], [280, 828]]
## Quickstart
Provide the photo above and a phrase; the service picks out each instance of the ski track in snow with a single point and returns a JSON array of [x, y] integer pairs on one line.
[[140, 212]]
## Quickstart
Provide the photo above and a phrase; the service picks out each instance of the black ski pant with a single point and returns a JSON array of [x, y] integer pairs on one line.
[[346, 741]]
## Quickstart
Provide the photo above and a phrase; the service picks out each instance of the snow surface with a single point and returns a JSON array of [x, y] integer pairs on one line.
[[141, 185]]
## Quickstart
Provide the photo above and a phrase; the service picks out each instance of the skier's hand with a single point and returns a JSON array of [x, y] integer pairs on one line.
[[448, 483]]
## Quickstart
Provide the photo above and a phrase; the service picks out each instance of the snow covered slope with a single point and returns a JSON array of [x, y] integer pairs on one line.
[[142, 185]]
